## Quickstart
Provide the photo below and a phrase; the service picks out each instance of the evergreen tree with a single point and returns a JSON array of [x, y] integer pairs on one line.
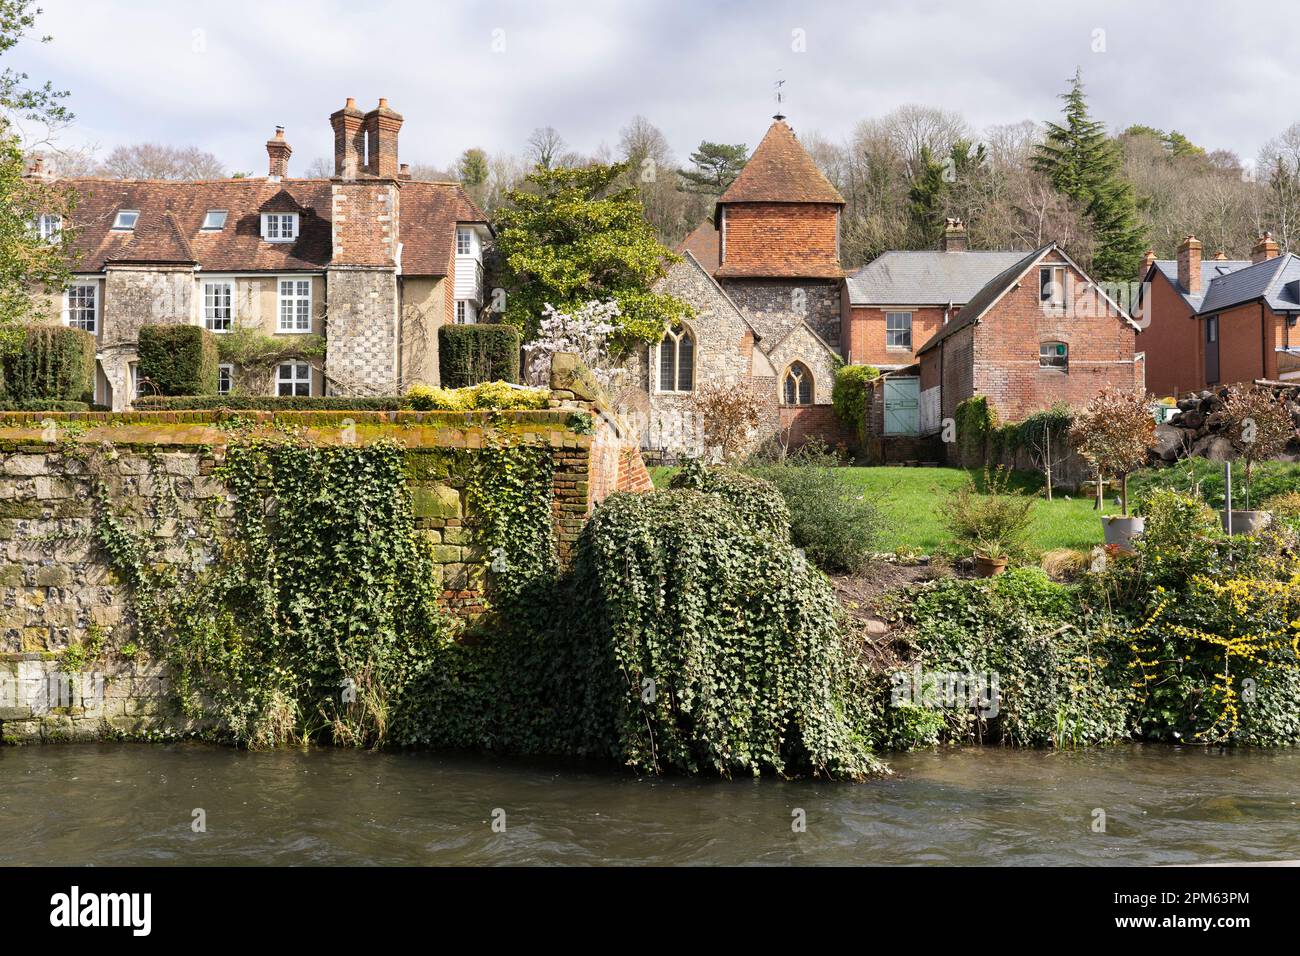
[[716, 167], [925, 200], [1084, 164], [572, 235]]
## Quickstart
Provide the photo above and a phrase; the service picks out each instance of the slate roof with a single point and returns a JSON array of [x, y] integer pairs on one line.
[[926, 278], [780, 170], [169, 229], [1211, 269]]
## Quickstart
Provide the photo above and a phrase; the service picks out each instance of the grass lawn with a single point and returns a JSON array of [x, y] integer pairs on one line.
[[912, 500]]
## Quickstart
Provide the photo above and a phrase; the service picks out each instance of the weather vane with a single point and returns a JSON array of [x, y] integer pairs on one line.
[[779, 115]]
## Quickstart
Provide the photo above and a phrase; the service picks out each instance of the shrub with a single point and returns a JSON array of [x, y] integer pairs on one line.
[[714, 648], [974, 420], [837, 527], [43, 405], [483, 395], [1114, 433], [178, 359], [849, 396], [759, 504], [269, 403], [1058, 682], [50, 362], [483, 352], [729, 414], [993, 523], [1258, 423]]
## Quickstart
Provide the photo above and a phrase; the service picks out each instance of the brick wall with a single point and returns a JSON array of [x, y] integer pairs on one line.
[[801, 422], [1247, 339], [1006, 361], [866, 334], [1172, 341], [781, 239]]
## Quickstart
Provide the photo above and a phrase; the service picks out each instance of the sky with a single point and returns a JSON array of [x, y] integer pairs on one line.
[[221, 76]]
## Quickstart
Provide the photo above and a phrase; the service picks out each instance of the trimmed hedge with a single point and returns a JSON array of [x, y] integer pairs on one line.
[[43, 405], [52, 363], [471, 354], [270, 403], [179, 359]]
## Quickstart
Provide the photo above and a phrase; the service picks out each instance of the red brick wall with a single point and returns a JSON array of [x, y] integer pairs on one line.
[[364, 224], [1247, 338], [1171, 341], [866, 331], [781, 239], [1006, 366], [801, 422]]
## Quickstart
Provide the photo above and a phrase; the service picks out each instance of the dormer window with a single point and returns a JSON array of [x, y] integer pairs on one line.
[[279, 226], [49, 226], [126, 219], [214, 219]]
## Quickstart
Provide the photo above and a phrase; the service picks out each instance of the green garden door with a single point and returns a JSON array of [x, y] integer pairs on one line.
[[902, 406]]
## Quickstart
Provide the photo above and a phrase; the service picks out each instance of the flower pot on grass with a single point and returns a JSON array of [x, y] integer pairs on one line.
[[1246, 522], [1120, 530]]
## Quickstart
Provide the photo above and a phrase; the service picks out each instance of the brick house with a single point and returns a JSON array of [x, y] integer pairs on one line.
[[895, 303], [1219, 321], [369, 259], [764, 277], [1038, 333]]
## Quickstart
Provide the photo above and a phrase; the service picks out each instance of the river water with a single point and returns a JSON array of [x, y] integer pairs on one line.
[[135, 804]]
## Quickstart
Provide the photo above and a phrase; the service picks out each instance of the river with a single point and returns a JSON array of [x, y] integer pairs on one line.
[[106, 804]]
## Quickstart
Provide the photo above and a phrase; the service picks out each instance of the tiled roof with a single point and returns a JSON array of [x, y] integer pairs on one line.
[[795, 264], [985, 297], [171, 219], [703, 243], [926, 278], [781, 171]]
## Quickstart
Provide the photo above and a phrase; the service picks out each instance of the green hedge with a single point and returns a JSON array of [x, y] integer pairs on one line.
[[271, 403], [43, 405], [51, 362], [470, 354], [178, 359]]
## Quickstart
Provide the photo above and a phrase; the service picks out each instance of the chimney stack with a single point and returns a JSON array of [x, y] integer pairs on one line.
[[1148, 260], [382, 125], [279, 152], [404, 171], [1189, 265], [349, 140], [1265, 248], [1220, 256], [954, 236]]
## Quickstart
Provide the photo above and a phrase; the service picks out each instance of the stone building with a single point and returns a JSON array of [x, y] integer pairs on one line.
[[764, 277], [369, 260]]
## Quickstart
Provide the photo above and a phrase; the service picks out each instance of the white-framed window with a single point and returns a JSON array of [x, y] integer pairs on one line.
[[218, 305], [466, 314], [126, 219], [676, 362], [1054, 355], [48, 226], [293, 378], [898, 330], [295, 305], [81, 306], [797, 386], [225, 378], [464, 241], [279, 226], [1051, 286], [214, 219]]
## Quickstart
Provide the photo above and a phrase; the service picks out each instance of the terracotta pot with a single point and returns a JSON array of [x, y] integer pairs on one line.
[[989, 567], [1120, 530], [1246, 522]]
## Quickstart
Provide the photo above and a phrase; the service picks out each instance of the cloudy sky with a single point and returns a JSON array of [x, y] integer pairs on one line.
[[221, 75]]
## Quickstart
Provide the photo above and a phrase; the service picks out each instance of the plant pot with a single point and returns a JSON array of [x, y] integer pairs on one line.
[[1120, 530], [989, 567], [1246, 522]]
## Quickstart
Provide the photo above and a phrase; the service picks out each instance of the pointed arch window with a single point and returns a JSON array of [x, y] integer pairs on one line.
[[797, 386], [677, 360]]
